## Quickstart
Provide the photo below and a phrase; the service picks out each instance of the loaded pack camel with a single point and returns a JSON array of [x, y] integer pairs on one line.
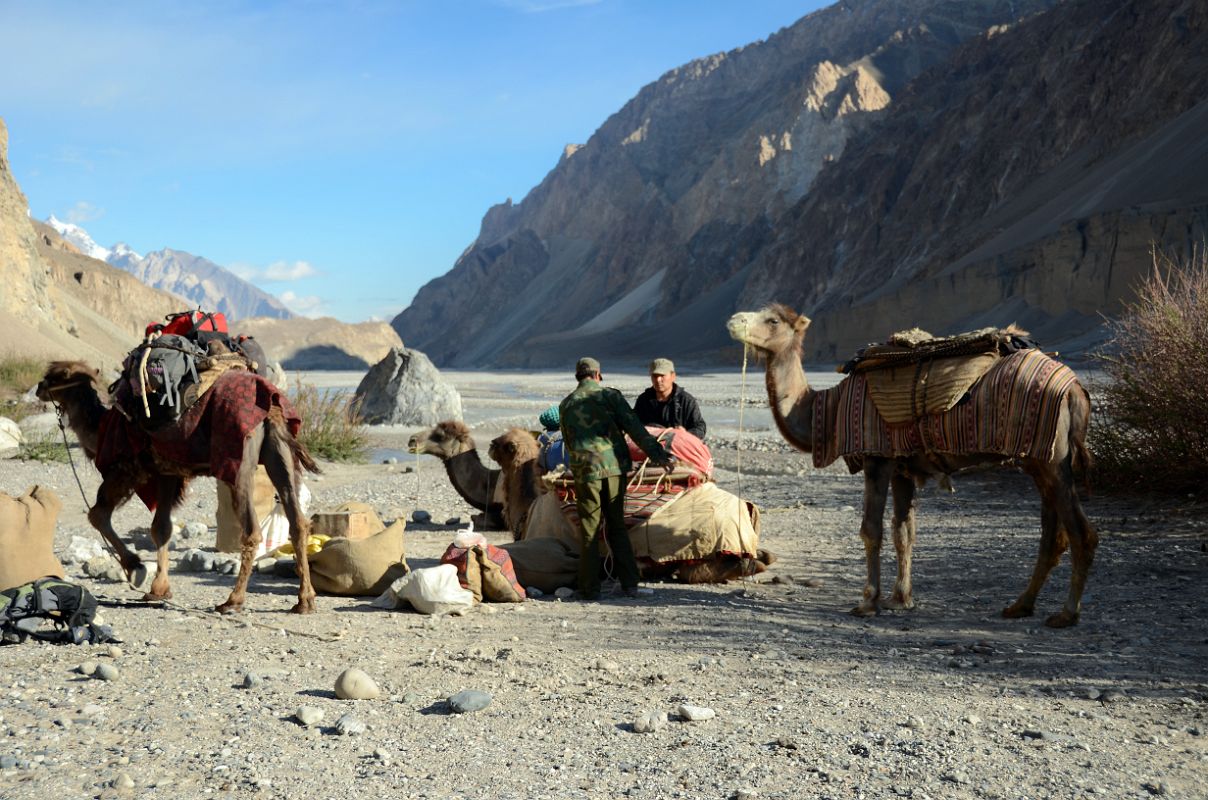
[[516, 453], [451, 442], [812, 422], [158, 467]]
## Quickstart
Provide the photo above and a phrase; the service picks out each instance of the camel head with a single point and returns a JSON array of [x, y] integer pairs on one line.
[[447, 439], [771, 331], [62, 376], [514, 447]]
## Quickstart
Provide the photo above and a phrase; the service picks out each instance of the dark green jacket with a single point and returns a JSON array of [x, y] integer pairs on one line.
[[594, 423]]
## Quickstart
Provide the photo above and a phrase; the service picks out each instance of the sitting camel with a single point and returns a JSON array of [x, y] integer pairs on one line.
[[516, 453], [450, 441], [777, 332], [240, 422]]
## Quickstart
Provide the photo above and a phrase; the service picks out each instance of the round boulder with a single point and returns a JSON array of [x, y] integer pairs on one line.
[[354, 684]]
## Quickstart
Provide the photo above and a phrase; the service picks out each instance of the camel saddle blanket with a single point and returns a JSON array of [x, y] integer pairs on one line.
[[915, 345], [1011, 411], [211, 432]]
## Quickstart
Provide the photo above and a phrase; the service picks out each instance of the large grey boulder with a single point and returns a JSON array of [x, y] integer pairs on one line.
[[11, 437], [404, 388]]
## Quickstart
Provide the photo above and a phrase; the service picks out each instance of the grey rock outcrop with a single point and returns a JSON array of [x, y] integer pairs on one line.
[[404, 388]]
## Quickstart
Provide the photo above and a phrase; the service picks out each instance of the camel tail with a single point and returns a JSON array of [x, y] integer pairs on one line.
[[1080, 420], [303, 455]]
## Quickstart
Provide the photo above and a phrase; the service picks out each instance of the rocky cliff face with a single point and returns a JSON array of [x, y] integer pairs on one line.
[[664, 204], [324, 343], [1026, 179], [877, 165], [56, 302]]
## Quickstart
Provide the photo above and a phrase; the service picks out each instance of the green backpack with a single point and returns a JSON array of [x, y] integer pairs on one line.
[[72, 609]]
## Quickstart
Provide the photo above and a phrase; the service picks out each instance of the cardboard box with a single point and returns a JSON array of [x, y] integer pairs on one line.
[[348, 524]]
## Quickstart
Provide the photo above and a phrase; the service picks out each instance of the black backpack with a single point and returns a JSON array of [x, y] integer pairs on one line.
[[72, 608]]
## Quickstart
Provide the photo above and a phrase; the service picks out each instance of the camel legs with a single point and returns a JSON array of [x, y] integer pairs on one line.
[[904, 506], [872, 530], [108, 498], [1083, 539], [283, 467], [241, 501], [167, 490]]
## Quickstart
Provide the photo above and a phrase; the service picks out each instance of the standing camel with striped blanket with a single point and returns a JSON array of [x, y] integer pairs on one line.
[[1027, 408]]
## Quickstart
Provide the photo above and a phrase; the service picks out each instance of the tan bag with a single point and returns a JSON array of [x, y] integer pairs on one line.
[[544, 563], [360, 566], [27, 535], [230, 533], [700, 523]]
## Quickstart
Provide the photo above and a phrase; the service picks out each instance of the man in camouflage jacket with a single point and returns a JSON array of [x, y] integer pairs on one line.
[[594, 422]]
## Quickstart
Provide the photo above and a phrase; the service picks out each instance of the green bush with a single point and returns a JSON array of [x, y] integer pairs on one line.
[[44, 447], [1150, 431], [18, 374], [331, 427]]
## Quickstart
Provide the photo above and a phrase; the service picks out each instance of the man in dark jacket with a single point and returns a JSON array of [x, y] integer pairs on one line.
[[666, 404], [594, 423]]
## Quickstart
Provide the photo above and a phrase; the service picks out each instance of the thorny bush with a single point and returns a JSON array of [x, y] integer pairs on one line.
[[1150, 432], [331, 426]]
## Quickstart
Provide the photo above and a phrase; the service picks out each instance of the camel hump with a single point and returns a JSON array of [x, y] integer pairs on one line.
[[916, 346]]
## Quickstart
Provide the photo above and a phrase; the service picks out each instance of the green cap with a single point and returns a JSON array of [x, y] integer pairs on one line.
[[661, 366], [587, 366]]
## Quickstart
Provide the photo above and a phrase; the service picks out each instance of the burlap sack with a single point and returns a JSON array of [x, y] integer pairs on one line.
[[360, 566], [230, 534], [905, 393], [698, 524], [544, 563], [27, 535], [498, 574]]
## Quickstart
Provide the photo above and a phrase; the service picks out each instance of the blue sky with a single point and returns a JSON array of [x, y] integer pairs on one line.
[[340, 153]]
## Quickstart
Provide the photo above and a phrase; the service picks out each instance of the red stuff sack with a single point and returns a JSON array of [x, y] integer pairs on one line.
[[200, 326], [686, 447]]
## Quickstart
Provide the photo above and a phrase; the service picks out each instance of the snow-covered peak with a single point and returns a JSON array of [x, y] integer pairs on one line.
[[78, 237], [122, 254]]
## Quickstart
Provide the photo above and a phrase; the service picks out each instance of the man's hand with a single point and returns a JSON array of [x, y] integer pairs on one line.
[[670, 464]]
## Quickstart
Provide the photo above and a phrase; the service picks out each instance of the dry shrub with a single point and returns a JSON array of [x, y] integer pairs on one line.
[[1151, 430], [331, 427], [18, 374]]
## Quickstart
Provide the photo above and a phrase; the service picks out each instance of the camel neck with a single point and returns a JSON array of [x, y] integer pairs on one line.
[[791, 399], [471, 478]]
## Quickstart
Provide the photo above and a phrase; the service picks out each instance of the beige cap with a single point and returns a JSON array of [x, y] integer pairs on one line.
[[661, 366], [587, 366]]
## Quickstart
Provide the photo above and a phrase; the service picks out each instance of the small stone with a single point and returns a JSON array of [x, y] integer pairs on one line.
[[123, 782], [107, 672], [564, 593], [8, 762], [451, 521], [252, 681], [411, 698], [87, 668], [391, 460], [605, 665], [195, 530], [309, 716], [1156, 788], [696, 713], [266, 564], [956, 777], [746, 793], [92, 709], [973, 719], [1112, 696], [420, 516], [114, 651], [650, 722], [532, 592], [354, 684], [1091, 693], [787, 742], [468, 700], [914, 723], [348, 725]]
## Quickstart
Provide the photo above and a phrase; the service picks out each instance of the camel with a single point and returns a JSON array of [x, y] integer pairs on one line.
[[450, 441], [76, 391], [776, 333], [516, 453]]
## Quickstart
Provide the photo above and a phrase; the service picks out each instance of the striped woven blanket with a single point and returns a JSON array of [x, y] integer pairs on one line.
[[1011, 411]]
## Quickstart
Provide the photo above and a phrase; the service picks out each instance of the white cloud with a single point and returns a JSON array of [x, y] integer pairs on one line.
[[82, 212], [309, 306], [286, 271]]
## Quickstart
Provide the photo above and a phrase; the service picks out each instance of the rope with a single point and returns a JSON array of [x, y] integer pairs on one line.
[[742, 403]]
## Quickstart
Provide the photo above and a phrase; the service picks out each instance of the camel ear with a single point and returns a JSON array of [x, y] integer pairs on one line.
[[801, 324]]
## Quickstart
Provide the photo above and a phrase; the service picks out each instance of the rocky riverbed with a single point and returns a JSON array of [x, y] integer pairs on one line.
[[761, 689]]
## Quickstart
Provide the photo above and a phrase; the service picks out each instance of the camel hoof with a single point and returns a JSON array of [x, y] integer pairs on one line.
[[865, 610], [899, 603], [152, 597], [229, 608], [1062, 619], [301, 607], [765, 557], [1016, 611]]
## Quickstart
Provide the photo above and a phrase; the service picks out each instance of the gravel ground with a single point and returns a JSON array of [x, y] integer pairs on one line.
[[946, 701]]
